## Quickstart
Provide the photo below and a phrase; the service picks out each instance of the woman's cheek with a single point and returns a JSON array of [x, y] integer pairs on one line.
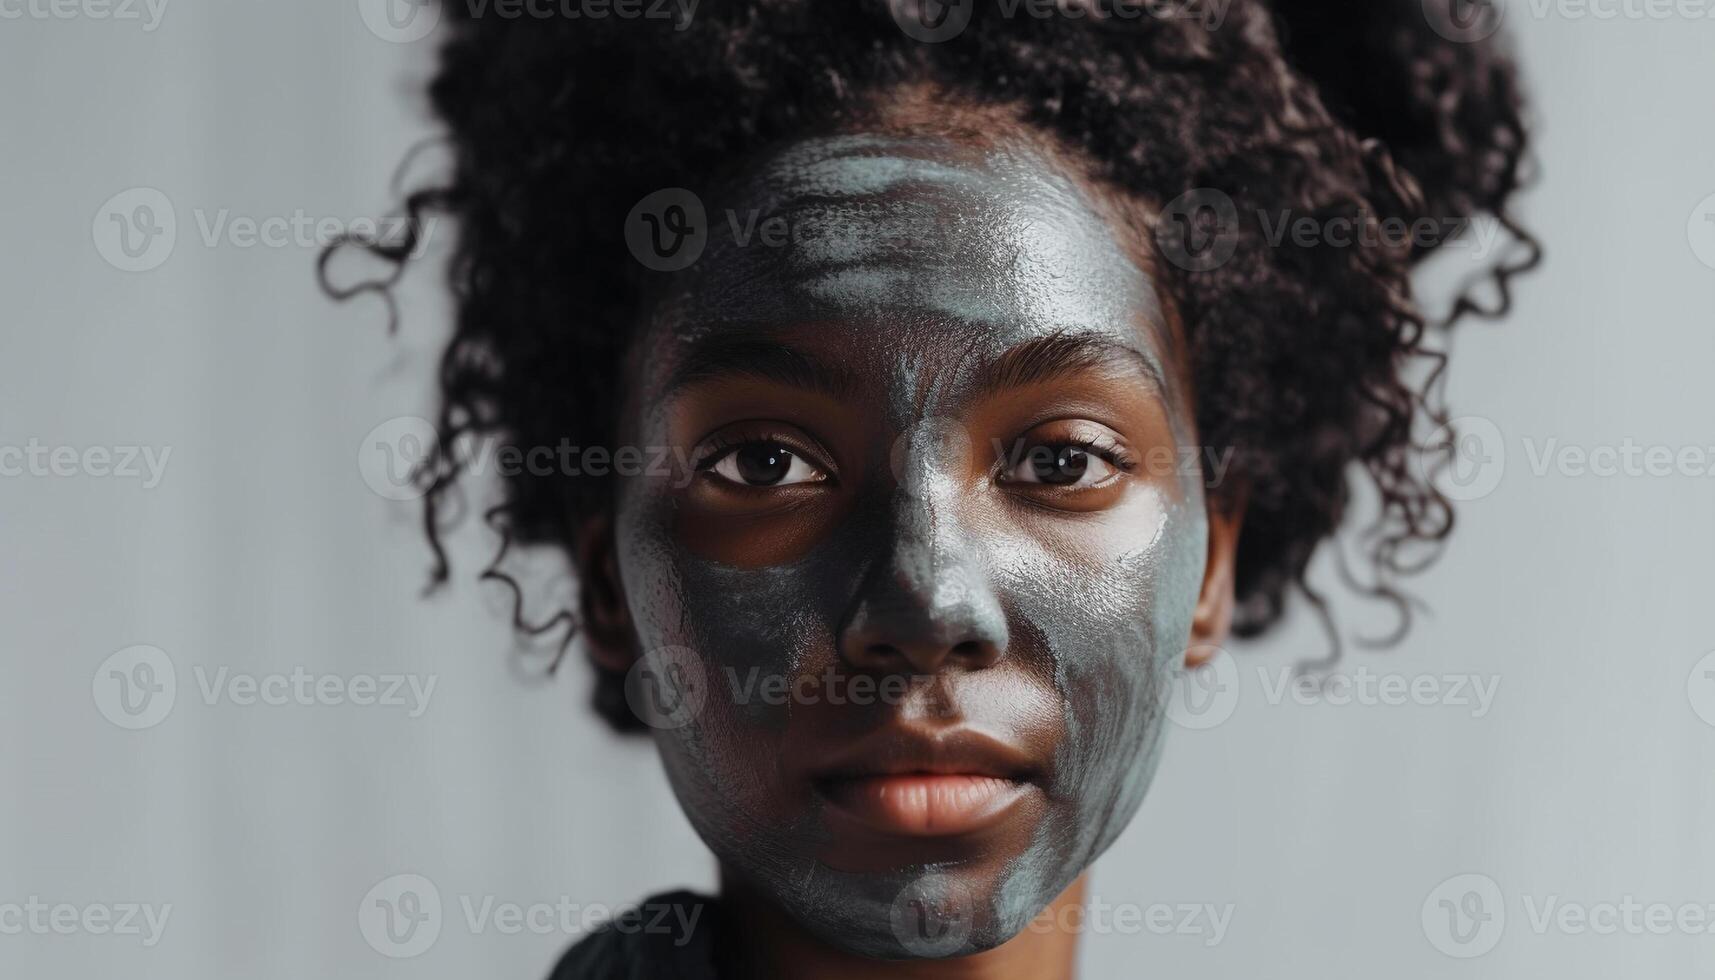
[[1113, 607]]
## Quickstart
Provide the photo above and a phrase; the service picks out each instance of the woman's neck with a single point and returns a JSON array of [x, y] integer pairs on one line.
[[780, 949]]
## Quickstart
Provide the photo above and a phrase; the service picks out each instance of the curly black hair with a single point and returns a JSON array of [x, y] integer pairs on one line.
[[1306, 357]]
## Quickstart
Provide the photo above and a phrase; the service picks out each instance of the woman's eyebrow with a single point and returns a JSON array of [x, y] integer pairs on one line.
[[728, 356], [1061, 355]]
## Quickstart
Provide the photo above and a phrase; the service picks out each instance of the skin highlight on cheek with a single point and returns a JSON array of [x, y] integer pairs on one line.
[[1114, 610]]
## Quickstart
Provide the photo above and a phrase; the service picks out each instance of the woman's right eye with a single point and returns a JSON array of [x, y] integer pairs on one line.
[[1064, 465], [765, 464]]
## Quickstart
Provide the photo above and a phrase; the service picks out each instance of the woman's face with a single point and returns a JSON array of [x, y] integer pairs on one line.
[[908, 629]]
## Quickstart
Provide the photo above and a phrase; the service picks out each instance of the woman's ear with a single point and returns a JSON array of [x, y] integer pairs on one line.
[[601, 595], [1214, 615]]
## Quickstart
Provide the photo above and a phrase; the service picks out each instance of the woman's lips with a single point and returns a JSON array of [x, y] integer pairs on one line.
[[908, 794], [923, 804]]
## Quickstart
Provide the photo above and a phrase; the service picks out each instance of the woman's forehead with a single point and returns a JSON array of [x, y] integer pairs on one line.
[[880, 241]]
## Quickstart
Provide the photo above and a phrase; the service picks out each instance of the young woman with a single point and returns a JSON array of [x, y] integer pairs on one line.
[[1006, 377]]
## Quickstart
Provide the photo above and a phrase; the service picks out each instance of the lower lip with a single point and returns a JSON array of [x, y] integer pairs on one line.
[[925, 804]]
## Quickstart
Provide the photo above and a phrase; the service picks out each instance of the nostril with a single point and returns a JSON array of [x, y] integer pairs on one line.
[[883, 652], [968, 650]]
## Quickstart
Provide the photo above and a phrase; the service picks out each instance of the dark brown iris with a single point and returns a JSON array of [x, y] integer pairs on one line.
[[763, 463], [1059, 464]]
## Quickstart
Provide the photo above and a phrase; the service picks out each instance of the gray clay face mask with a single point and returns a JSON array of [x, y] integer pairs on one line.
[[938, 560]]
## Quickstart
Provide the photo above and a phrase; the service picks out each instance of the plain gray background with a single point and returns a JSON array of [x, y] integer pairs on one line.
[[1328, 829]]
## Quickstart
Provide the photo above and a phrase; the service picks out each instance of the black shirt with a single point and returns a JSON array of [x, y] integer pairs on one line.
[[668, 937]]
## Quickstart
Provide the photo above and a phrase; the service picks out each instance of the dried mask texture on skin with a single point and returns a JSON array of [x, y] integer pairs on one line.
[[913, 264]]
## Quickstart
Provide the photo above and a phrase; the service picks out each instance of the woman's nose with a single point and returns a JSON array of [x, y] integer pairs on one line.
[[926, 603]]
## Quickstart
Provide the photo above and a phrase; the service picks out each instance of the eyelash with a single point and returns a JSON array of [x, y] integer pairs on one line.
[[1104, 447], [724, 444]]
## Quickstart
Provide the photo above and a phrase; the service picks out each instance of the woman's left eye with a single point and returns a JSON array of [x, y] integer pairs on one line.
[[1060, 465], [766, 464]]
